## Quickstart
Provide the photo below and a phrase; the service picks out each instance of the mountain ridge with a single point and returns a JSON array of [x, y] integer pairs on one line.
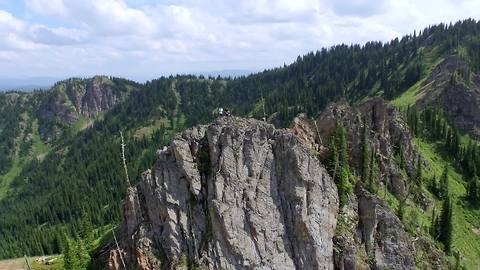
[[79, 172]]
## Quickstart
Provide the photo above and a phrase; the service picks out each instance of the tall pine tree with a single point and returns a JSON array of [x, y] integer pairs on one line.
[[445, 229], [339, 163], [443, 190], [473, 189]]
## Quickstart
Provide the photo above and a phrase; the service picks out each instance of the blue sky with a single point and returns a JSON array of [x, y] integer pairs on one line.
[[142, 39]]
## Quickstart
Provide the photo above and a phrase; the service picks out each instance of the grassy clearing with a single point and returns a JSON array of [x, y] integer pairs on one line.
[[430, 60], [147, 131], [81, 124], [6, 179], [48, 263], [103, 236], [410, 96], [466, 219], [37, 263], [39, 148]]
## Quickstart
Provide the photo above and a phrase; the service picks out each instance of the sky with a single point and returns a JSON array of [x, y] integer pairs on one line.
[[141, 39]]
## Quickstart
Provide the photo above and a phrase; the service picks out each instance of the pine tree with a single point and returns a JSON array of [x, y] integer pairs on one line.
[[70, 258], [339, 161], [443, 190], [85, 227], [446, 226], [75, 254], [82, 253], [473, 189], [344, 186]]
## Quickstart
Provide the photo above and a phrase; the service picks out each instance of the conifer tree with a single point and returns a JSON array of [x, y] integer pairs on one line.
[[70, 258], [443, 190], [445, 225], [339, 160], [75, 254], [344, 186], [473, 189], [85, 227], [82, 253]]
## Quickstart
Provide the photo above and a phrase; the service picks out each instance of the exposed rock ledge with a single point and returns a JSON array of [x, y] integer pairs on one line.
[[237, 194]]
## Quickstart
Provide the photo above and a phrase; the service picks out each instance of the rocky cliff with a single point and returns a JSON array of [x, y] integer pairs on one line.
[[388, 135], [455, 88], [237, 194], [240, 194], [70, 100]]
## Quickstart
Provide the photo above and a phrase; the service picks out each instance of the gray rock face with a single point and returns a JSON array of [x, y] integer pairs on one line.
[[458, 97], [370, 236], [239, 194], [385, 239], [72, 99], [236, 194], [388, 135]]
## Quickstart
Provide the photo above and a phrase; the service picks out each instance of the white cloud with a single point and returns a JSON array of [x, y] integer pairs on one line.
[[47, 8], [149, 38]]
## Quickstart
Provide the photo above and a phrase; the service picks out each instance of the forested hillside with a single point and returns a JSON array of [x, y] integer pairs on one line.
[[60, 162]]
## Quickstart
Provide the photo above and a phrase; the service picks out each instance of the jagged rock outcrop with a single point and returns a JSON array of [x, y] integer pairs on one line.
[[370, 236], [383, 234], [72, 99], [454, 88], [237, 194], [388, 135], [368, 233]]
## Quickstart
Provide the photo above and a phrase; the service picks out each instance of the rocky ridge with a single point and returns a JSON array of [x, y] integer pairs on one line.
[[455, 88], [240, 194], [70, 100]]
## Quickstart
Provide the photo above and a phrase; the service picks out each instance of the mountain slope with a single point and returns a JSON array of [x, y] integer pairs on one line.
[[81, 175], [453, 87]]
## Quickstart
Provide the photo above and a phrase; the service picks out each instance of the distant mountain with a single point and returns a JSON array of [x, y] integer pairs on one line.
[[26, 84]]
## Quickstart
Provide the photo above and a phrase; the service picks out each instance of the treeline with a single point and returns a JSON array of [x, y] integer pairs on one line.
[[351, 72]]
